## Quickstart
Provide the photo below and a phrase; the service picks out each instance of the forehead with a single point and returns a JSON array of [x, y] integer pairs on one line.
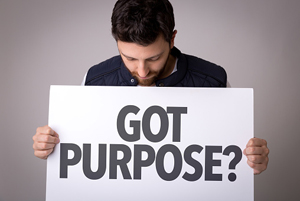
[[142, 52]]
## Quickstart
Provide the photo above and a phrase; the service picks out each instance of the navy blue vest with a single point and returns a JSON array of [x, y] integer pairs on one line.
[[191, 72]]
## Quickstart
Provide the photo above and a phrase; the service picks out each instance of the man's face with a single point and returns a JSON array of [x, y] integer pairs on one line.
[[147, 63]]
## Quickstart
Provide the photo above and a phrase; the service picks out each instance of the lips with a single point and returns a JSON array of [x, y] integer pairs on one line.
[[144, 78]]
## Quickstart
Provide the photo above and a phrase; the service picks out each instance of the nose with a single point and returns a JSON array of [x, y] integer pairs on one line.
[[143, 70]]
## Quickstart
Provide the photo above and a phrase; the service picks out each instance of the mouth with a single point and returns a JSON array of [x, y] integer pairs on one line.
[[148, 76], [144, 78]]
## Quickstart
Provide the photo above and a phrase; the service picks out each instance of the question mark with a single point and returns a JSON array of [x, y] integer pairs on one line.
[[238, 156]]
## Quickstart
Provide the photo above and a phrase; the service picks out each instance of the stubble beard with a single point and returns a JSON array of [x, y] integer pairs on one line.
[[153, 76]]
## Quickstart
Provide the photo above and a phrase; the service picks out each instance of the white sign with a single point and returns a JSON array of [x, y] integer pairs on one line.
[[150, 143]]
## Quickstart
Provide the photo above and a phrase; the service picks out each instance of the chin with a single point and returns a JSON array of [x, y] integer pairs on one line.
[[147, 82]]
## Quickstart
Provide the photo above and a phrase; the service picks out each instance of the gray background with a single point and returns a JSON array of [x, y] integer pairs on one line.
[[47, 43]]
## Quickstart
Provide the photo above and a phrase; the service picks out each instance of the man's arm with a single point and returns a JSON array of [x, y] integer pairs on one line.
[[257, 153], [44, 141]]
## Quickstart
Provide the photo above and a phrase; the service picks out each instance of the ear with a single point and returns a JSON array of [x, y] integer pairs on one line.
[[173, 38]]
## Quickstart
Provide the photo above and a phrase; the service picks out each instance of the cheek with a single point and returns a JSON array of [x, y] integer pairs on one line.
[[131, 66], [157, 66]]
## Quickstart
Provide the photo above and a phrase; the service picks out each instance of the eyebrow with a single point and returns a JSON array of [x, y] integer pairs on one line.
[[146, 59]]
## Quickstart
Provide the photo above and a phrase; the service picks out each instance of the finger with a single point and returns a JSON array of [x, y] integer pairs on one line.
[[46, 138], [254, 150], [46, 130], [55, 134], [264, 151], [257, 168], [43, 154], [256, 142], [40, 146], [257, 159]]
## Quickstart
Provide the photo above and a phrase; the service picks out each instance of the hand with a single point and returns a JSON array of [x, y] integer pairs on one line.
[[257, 153], [44, 141]]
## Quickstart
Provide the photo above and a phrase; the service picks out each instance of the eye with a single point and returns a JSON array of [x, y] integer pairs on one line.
[[130, 59], [154, 59]]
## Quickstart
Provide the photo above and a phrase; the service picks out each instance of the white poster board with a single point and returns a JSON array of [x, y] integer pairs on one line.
[[151, 143]]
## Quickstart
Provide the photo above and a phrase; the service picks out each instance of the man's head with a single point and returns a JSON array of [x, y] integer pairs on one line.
[[141, 21], [148, 63], [144, 31]]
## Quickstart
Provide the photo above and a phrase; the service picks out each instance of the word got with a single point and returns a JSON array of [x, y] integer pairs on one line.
[[152, 157]]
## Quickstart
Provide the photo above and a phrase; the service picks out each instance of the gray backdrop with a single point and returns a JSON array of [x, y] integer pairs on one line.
[[47, 43]]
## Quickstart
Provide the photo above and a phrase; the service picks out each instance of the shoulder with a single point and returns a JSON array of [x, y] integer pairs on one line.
[[193, 71], [197, 66], [104, 70]]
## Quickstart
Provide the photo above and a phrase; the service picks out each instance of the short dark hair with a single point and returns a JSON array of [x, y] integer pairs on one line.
[[141, 21]]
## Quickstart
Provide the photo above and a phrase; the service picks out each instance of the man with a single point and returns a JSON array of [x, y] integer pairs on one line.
[[144, 32]]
